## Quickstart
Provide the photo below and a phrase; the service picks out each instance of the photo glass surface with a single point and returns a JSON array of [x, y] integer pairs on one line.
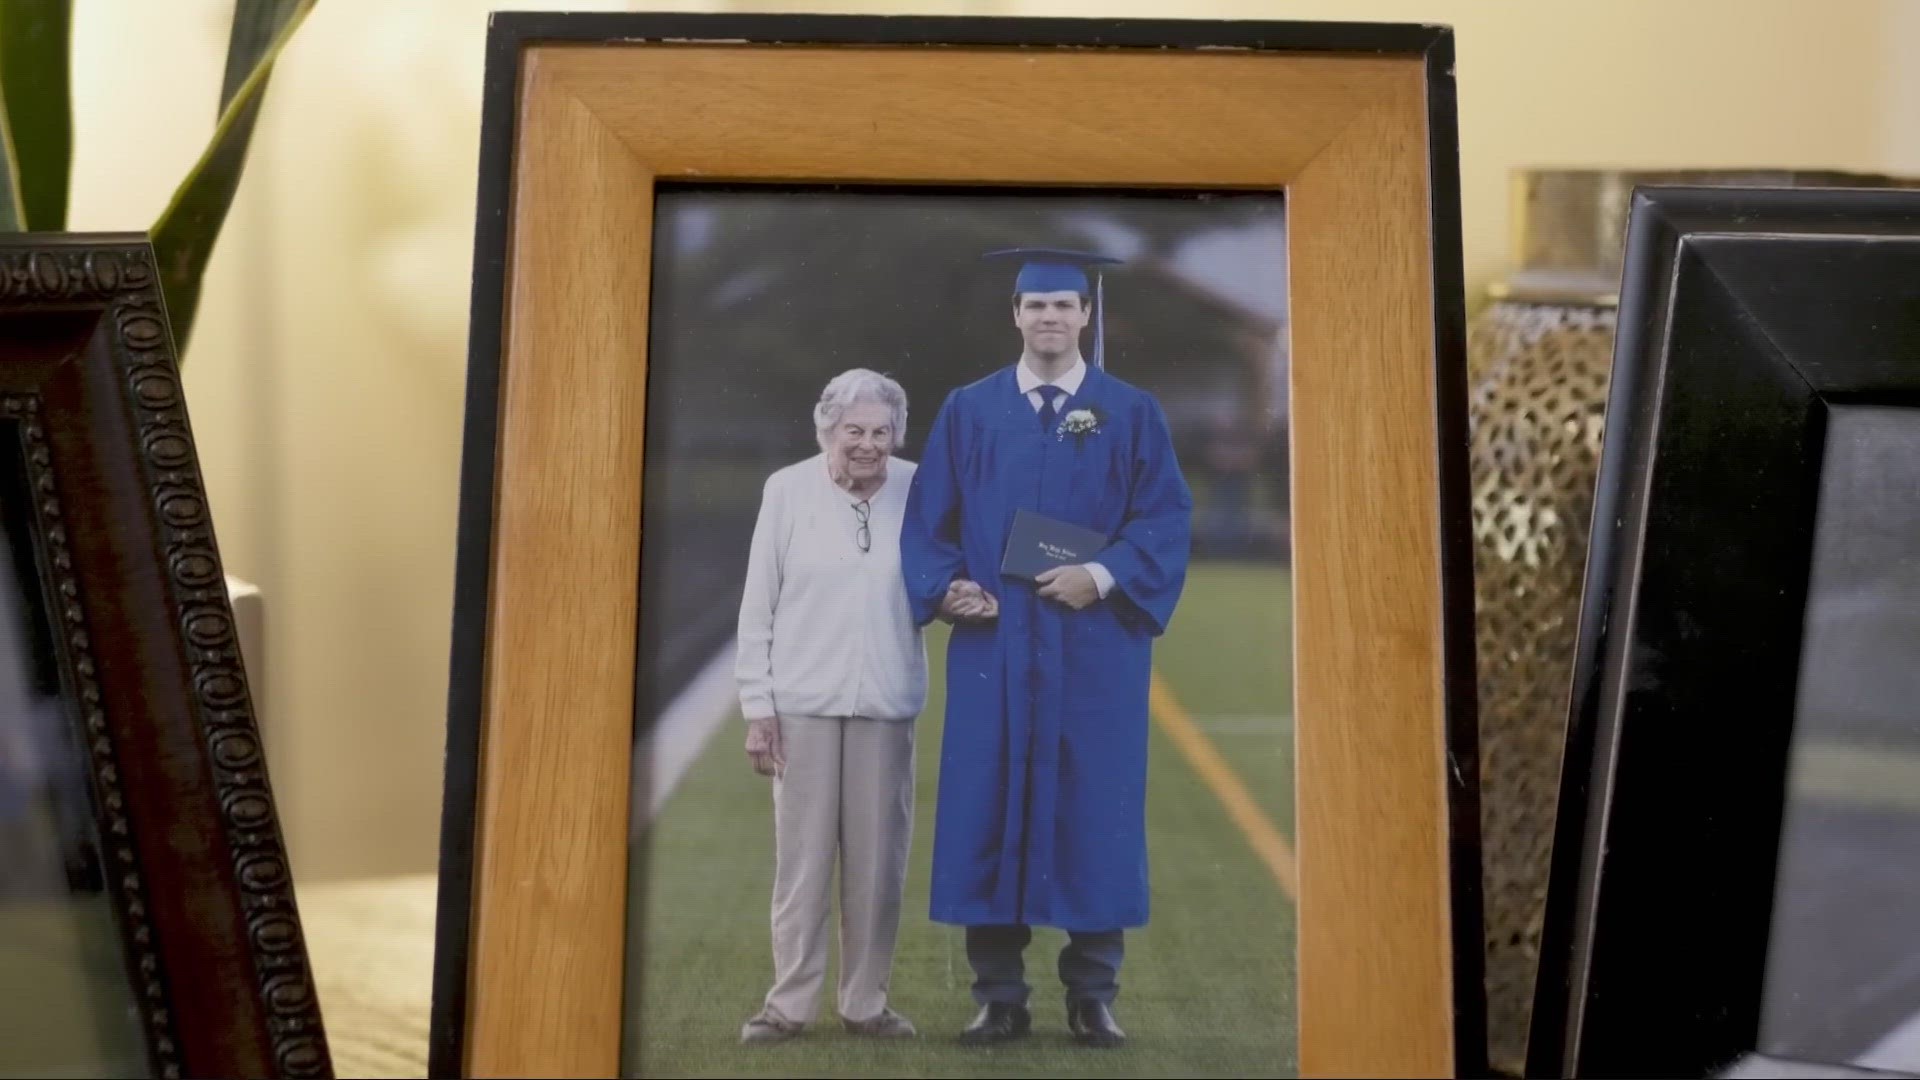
[[70, 1009], [1090, 736], [1843, 967]]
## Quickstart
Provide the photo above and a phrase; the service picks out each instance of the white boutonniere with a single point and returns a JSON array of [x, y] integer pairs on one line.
[[1079, 423]]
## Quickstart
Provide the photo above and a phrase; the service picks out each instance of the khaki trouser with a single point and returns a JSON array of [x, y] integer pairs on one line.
[[847, 791]]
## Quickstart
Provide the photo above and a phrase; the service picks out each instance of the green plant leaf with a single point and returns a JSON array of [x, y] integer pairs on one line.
[[256, 24], [184, 236], [13, 216], [35, 42]]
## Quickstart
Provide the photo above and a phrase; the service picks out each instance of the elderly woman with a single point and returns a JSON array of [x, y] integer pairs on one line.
[[833, 674]]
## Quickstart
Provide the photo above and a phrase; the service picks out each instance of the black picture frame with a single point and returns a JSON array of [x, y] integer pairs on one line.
[[1751, 320], [140, 659]]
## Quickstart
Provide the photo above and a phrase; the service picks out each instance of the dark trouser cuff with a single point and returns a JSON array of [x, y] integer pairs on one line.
[[1089, 965]]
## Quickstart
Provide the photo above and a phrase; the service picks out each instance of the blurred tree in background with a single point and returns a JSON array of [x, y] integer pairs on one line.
[[760, 296]]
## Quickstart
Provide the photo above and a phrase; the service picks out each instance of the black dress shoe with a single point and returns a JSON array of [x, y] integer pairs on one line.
[[1092, 1024], [997, 1023]]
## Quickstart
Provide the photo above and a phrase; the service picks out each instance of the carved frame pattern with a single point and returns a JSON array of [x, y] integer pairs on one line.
[[129, 466]]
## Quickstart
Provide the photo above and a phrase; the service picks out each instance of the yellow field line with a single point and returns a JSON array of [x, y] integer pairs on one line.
[[1205, 758]]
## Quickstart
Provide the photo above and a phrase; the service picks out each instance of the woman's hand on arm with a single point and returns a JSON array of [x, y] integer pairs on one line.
[[966, 601]]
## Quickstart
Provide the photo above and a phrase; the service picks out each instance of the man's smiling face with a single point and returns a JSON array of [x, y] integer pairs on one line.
[[1050, 323]]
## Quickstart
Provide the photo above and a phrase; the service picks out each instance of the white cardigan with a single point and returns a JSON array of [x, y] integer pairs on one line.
[[825, 629]]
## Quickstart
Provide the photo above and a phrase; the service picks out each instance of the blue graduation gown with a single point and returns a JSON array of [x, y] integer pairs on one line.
[[1041, 814]]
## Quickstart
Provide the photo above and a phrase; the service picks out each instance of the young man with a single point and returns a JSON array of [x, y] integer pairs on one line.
[[1041, 816]]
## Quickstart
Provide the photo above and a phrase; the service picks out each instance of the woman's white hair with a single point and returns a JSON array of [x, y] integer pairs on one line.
[[851, 388]]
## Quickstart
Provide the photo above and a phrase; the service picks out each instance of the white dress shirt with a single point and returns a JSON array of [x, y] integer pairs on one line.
[[825, 628], [1029, 384]]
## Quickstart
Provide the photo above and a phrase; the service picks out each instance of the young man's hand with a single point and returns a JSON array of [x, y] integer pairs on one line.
[[1073, 586]]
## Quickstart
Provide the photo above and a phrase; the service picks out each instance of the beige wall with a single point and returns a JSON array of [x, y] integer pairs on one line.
[[1900, 63], [328, 374]]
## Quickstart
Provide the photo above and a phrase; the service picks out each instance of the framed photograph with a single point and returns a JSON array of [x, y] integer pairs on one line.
[[964, 555], [1738, 845], [147, 920]]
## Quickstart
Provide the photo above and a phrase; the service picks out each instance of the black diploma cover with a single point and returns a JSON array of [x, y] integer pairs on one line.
[[1038, 543]]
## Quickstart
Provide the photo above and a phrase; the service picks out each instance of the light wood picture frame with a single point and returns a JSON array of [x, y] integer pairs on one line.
[[587, 117]]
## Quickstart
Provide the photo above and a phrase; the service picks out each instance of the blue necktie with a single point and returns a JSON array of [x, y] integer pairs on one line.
[[1049, 394]]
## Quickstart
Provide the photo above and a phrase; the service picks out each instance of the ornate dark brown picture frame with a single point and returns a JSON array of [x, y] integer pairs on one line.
[[142, 661]]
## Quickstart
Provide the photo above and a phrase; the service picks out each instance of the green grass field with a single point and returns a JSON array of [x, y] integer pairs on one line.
[[1207, 988]]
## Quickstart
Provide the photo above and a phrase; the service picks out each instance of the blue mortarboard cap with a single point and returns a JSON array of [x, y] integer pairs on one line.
[[1044, 270]]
